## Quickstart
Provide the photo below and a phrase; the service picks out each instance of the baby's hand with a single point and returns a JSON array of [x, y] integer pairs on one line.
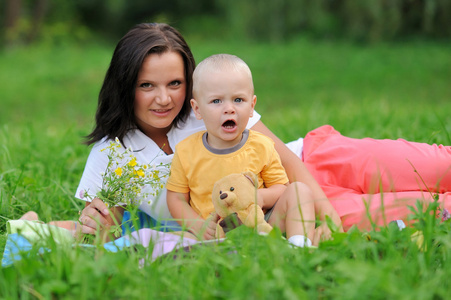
[[210, 227], [260, 198]]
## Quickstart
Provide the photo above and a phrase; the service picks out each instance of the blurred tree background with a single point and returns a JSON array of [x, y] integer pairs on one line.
[[364, 21]]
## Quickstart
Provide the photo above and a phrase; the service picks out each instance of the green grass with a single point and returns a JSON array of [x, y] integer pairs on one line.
[[48, 100]]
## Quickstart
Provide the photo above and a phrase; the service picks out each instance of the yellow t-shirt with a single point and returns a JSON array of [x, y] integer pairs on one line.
[[196, 166]]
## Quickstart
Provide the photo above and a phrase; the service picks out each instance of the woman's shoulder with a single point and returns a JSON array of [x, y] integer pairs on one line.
[[185, 129], [134, 139], [97, 148], [137, 140]]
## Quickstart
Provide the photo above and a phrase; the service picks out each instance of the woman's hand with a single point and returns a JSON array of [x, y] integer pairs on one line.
[[323, 232], [96, 215]]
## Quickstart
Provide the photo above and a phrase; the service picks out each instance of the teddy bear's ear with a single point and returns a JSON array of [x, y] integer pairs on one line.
[[250, 176]]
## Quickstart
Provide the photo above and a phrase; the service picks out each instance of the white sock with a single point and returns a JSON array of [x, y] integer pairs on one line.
[[400, 224], [300, 241]]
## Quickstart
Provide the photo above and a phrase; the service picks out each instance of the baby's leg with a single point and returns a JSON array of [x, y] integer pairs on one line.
[[294, 212]]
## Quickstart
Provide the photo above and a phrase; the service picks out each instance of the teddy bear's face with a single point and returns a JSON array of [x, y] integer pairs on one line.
[[228, 200], [233, 193]]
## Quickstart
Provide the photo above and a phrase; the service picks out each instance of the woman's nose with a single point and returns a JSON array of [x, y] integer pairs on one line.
[[163, 97]]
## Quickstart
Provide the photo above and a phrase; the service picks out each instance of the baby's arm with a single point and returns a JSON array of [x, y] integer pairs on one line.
[[267, 197], [178, 204]]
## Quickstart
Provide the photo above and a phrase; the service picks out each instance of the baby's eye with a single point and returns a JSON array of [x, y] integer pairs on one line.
[[239, 100], [216, 101]]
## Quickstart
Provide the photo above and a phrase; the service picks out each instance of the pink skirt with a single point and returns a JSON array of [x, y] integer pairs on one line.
[[376, 180]]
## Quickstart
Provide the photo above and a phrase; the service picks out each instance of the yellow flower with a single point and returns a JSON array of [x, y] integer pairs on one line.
[[140, 173], [132, 163], [118, 171]]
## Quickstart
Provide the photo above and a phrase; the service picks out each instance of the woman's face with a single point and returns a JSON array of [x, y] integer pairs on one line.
[[160, 92]]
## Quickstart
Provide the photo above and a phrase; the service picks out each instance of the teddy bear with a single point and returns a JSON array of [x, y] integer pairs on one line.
[[234, 195]]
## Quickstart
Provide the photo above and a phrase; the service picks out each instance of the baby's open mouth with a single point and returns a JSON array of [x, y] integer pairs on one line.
[[229, 124]]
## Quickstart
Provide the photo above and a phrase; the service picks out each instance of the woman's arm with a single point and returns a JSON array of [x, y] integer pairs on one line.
[[178, 204], [297, 171]]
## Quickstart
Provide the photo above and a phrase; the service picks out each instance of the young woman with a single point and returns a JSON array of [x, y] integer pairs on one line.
[[144, 101]]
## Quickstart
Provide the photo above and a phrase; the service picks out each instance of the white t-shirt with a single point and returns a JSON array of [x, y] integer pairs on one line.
[[296, 146], [145, 150]]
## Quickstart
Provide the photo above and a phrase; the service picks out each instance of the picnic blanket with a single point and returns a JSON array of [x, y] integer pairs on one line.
[[23, 235]]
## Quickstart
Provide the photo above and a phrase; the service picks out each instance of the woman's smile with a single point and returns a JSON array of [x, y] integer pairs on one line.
[[161, 111]]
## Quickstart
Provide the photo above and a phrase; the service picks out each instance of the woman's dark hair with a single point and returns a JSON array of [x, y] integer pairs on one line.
[[115, 110]]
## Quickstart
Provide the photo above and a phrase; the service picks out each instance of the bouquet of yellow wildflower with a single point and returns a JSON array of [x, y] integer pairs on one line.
[[124, 178]]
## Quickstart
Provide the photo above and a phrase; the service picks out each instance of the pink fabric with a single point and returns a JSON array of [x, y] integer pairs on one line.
[[162, 242], [379, 173]]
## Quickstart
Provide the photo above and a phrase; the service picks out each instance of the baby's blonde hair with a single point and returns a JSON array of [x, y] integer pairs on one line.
[[220, 62]]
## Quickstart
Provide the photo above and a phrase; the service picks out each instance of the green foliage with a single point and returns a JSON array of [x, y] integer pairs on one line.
[[365, 21], [48, 100], [269, 20], [378, 265], [38, 172], [128, 13], [49, 96], [51, 22]]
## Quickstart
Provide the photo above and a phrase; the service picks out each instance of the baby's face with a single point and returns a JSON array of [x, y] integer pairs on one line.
[[225, 100]]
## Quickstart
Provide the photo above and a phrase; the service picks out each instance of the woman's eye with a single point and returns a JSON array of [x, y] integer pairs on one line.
[[175, 83], [239, 100], [145, 85]]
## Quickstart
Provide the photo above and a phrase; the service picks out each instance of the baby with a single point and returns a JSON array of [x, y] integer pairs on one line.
[[223, 97]]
